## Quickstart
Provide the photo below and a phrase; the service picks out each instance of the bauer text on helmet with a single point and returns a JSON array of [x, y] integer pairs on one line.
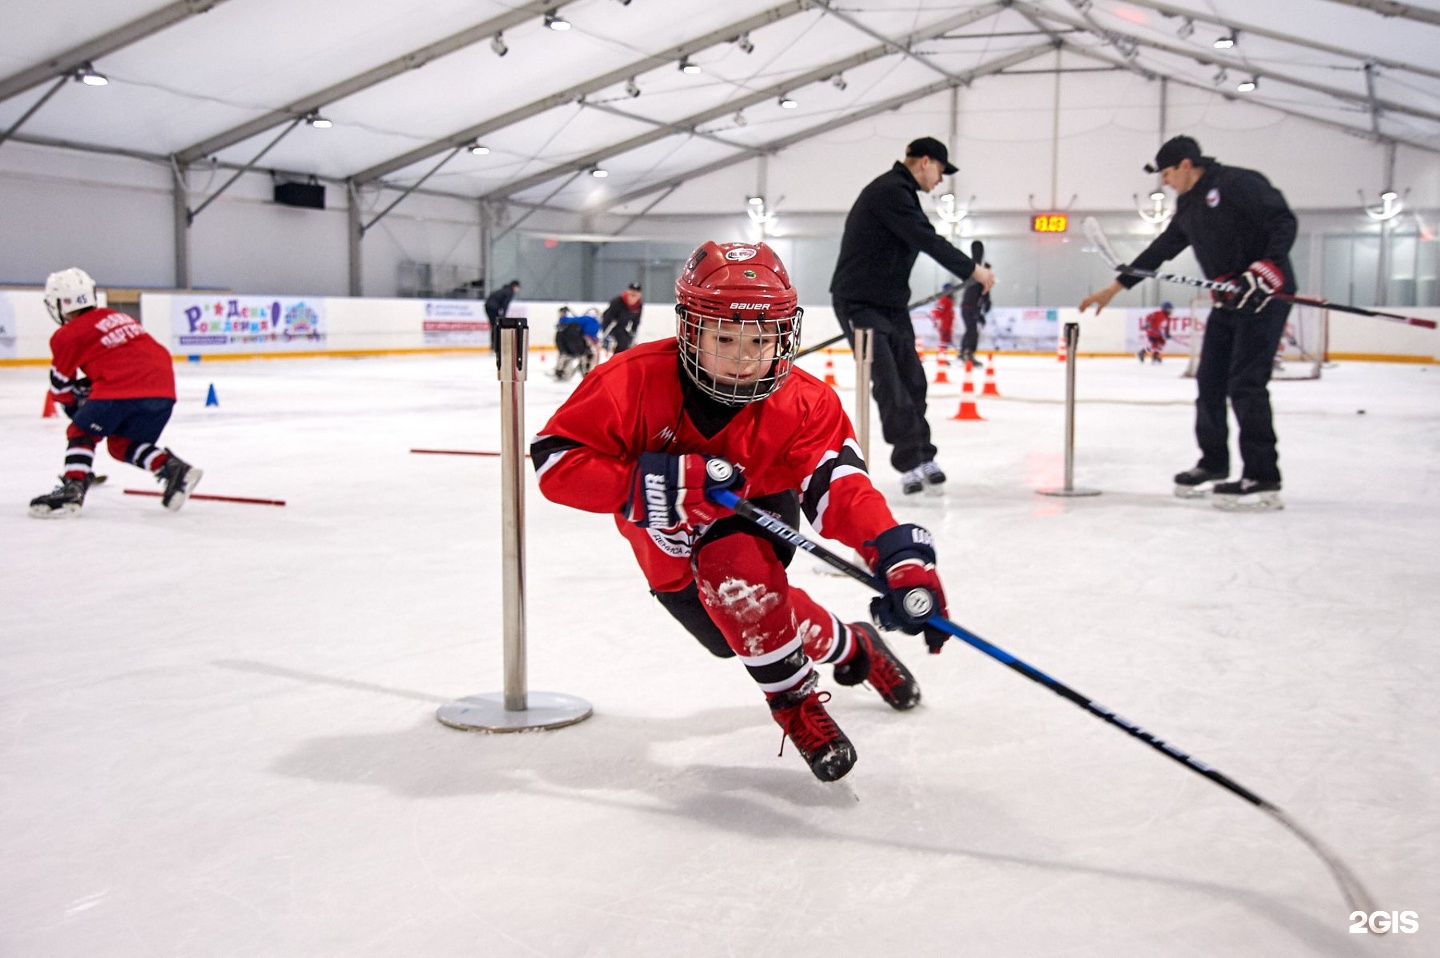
[[737, 321]]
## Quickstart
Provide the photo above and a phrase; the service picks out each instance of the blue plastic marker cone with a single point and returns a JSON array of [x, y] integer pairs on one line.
[[210, 399]]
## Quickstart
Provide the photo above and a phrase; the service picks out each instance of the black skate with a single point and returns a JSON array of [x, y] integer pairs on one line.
[[934, 478], [1249, 495], [180, 479], [1195, 483], [912, 481], [63, 502], [875, 663], [801, 713]]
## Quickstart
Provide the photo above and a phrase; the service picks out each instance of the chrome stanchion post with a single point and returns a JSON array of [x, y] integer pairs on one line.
[[516, 709], [864, 361], [1072, 340]]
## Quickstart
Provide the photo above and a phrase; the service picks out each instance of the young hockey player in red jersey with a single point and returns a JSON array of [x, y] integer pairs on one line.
[[648, 434], [1156, 328], [127, 395], [944, 316]]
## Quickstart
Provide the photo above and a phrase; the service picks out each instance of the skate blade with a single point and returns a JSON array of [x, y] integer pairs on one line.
[[935, 489], [192, 479], [1255, 502], [66, 511], [1192, 492]]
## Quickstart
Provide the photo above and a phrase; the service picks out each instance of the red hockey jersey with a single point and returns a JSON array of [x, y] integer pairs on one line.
[[798, 439], [1156, 325], [115, 352]]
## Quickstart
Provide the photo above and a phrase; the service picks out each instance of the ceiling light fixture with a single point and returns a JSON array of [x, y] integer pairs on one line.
[[743, 42], [86, 74], [599, 173], [1248, 86], [739, 118], [498, 45], [1228, 40], [787, 104], [755, 201], [478, 150], [317, 121], [687, 67], [632, 89], [838, 81], [554, 21]]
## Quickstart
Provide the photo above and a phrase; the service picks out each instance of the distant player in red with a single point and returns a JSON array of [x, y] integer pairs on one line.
[[125, 397], [1156, 328], [647, 435], [944, 316]]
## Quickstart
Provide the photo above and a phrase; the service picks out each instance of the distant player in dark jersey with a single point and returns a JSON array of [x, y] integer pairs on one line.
[[1156, 329], [577, 339], [648, 434], [125, 396]]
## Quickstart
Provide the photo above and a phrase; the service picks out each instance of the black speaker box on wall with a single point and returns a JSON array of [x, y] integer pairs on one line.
[[311, 196]]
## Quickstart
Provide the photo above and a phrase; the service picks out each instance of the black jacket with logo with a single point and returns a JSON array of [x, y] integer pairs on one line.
[[884, 233], [1231, 217]]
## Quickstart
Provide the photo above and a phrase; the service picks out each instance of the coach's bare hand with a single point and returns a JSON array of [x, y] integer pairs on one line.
[[1101, 298]]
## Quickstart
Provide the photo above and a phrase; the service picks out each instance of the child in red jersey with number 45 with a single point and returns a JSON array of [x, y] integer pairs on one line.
[[126, 395], [649, 434]]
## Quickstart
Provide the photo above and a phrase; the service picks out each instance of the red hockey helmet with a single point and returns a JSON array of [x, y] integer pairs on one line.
[[737, 321]]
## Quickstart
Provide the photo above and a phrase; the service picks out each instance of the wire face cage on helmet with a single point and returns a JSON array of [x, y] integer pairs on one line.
[[737, 321], [69, 291]]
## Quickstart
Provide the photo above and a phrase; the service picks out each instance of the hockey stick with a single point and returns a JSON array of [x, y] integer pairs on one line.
[[819, 346], [977, 252], [915, 305], [200, 495], [1102, 246], [1355, 894]]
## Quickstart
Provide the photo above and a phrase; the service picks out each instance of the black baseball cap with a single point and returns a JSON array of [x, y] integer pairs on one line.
[[1178, 148], [933, 148]]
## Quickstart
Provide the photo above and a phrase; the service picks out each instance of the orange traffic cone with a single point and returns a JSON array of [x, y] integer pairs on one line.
[[990, 388], [942, 371], [968, 410], [829, 370], [49, 411]]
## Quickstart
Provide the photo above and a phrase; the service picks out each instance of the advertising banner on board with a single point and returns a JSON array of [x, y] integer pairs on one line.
[[246, 324]]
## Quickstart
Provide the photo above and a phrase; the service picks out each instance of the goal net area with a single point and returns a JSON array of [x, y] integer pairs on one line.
[[1303, 345]]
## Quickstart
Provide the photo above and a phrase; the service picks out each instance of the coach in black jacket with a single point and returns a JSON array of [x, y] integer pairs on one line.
[[1241, 229], [884, 233]]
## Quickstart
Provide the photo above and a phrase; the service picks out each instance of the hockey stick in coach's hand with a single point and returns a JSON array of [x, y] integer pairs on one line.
[[1102, 246], [1355, 894]]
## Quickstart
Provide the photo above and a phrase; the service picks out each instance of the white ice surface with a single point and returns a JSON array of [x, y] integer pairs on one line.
[[217, 731]]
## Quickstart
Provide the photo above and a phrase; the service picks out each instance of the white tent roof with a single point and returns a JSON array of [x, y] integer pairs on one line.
[[221, 80]]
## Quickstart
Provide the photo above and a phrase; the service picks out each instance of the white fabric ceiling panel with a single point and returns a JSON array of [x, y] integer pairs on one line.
[[199, 81]]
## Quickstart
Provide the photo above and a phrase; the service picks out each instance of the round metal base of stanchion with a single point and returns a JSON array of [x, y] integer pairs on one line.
[[487, 712], [1066, 493]]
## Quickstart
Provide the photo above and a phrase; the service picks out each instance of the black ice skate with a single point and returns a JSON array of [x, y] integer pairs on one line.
[[1249, 495], [64, 501], [180, 479], [801, 713], [912, 481], [875, 663], [1195, 483]]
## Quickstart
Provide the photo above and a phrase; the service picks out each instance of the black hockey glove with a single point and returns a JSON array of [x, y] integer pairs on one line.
[[905, 557], [668, 491], [1261, 280]]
